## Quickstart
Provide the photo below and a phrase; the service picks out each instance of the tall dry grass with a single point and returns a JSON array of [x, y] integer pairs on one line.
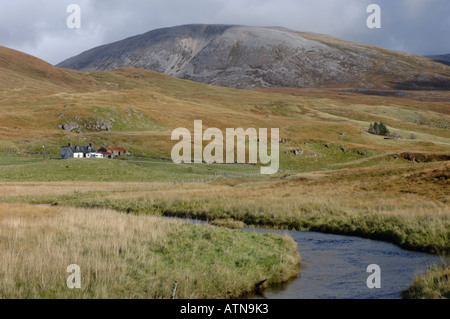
[[373, 204], [126, 256]]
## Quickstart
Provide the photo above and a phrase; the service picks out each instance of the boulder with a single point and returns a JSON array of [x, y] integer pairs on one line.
[[67, 127], [297, 152], [70, 126]]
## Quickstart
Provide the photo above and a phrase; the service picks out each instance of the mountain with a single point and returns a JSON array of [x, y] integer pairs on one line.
[[257, 57], [445, 58]]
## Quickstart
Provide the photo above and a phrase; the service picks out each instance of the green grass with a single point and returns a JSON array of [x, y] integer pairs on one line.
[[322, 155], [435, 284], [135, 169], [13, 159], [228, 223]]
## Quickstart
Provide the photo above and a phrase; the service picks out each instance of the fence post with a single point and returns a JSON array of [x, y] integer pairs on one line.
[[174, 290]]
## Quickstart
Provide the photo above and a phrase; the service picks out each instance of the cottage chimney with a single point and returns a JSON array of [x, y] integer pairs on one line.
[[70, 144], [90, 144]]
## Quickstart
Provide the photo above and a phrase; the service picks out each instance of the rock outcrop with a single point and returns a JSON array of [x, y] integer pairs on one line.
[[79, 125]]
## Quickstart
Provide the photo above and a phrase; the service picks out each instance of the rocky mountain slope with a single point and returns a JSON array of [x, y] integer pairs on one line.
[[255, 57]]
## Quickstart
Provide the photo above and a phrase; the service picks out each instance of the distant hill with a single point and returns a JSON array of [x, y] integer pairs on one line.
[[21, 70], [256, 57], [138, 109], [445, 58]]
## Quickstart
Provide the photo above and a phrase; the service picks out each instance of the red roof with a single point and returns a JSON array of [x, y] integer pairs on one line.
[[120, 149]]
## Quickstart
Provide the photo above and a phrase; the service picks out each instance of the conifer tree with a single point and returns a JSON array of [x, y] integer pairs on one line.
[[376, 128], [383, 129]]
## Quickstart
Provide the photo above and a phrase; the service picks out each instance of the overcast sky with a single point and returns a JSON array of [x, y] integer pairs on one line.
[[38, 27]]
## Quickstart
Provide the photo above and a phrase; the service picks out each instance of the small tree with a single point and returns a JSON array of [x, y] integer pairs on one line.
[[383, 129], [378, 129]]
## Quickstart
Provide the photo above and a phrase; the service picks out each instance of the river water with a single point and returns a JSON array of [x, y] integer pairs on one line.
[[335, 267]]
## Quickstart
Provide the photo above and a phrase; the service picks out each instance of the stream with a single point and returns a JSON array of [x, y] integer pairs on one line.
[[335, 267]]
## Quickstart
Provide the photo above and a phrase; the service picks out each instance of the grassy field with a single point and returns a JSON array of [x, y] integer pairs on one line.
[[123, 256], [25, 168]]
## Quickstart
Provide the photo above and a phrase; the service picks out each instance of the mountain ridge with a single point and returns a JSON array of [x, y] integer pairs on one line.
[[257, 57], [443, 58]]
